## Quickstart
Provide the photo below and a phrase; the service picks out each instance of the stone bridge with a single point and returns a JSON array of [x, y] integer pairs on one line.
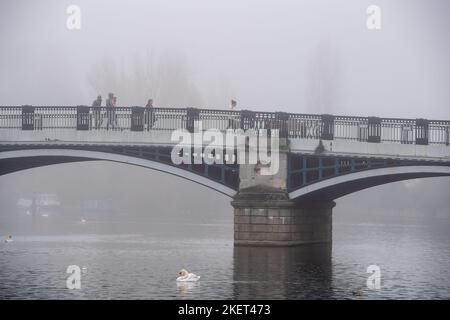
[[322, 157]]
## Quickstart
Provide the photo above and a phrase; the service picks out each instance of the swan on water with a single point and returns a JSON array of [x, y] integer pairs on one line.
[[185, 275]]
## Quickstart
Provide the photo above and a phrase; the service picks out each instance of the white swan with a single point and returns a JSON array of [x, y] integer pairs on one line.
[[184, 275]]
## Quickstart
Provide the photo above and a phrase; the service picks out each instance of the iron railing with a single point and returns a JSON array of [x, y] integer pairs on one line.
[[291, 125]]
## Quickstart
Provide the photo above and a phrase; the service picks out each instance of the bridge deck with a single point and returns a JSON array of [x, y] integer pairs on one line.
[[341, 135]]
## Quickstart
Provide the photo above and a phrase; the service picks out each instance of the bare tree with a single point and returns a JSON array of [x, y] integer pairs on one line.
[[166, 79], [322, 81]]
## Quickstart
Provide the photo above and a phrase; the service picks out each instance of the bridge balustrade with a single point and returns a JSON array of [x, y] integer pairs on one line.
[[350, 128], [137, 119], [374, 129], [83, 118], [27, 118], [422, 131], [327, 127], [291, 125]]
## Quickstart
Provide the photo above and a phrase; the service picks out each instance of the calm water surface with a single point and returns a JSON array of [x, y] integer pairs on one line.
[[414, 261]]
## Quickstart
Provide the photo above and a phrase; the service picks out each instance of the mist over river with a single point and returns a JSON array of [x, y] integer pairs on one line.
[[413, 259]]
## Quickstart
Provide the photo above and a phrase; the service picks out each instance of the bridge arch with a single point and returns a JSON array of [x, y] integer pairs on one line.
[[17, 160], [336, 187]]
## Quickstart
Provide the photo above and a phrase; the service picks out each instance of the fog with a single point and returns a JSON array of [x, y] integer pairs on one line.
[[312, 56]]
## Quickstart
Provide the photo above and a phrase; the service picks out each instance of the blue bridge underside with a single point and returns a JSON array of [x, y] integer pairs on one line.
[[16, 164], [306, 170], [226, 174]]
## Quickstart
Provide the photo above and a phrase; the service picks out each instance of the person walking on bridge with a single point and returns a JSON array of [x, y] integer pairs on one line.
[[96, 107], [233, 122], [110, 111], [149, 117], [97, 102]]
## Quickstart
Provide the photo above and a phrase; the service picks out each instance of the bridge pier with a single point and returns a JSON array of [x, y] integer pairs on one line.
[[266, 217]]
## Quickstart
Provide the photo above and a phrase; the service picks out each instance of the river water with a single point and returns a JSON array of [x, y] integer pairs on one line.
[[414, 260]]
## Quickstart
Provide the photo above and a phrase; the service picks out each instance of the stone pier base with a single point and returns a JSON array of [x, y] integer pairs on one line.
[[266, 217]]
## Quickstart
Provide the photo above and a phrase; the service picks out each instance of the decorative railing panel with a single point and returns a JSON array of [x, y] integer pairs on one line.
[[291, 125]]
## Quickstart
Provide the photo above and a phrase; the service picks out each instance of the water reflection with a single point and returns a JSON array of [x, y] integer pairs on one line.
[[303, 272], [187, 287]]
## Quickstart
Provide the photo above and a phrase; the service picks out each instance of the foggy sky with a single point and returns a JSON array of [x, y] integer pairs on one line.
[[260, 52], [268, 55]]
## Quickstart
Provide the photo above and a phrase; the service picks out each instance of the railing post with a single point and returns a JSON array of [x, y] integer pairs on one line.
[[422, 131], [327, 127], [192, 115], [247, 119], [27, 117], [447, 138], [83, 118], [137, 119], [281, 124], [374, 129]]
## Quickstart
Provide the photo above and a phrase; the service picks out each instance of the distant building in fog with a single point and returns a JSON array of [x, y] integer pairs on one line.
[[46, 204]]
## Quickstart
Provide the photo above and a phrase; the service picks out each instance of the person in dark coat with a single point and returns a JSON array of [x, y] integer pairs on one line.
[[110, 111], [96, 104], [149, 116]]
